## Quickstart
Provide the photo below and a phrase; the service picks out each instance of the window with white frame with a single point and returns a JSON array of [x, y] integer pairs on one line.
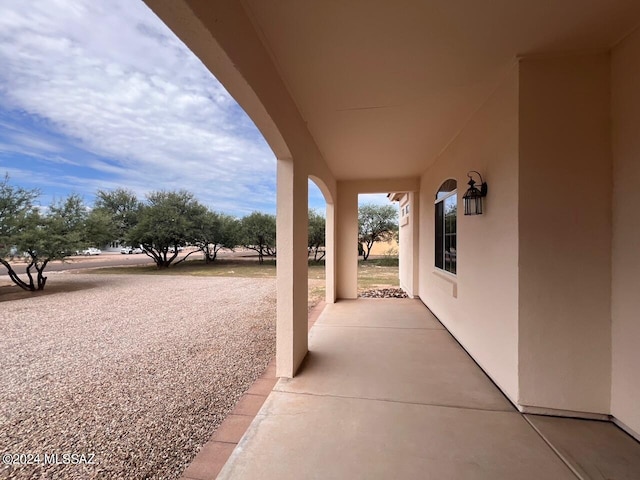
[[446, 208]]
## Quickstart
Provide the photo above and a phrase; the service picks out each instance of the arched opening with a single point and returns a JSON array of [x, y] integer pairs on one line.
[[321, 243], [378, 246]]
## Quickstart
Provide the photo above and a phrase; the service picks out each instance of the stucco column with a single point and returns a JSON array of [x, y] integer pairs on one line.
[[292, 220], [347, 242], [330, 255], [415, 263]]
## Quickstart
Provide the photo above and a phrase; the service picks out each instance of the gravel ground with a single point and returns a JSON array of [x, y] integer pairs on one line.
[[138, 370]]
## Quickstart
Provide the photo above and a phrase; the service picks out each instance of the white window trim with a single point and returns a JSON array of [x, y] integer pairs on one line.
[[454, 192], [438, 269]]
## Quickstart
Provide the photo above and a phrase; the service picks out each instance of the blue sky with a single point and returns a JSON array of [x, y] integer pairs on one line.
[[99, 95]]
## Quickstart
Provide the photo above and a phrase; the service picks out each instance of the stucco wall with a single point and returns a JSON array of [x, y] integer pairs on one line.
[[405, 237], [565, 233], [625, 388], [480, 304], [347, 226], [409, 258]]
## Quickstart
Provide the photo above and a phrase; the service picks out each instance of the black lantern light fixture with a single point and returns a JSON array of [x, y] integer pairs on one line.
[[473, 197]]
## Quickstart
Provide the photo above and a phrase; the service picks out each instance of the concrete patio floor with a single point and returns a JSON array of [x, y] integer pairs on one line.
[[386, 392]]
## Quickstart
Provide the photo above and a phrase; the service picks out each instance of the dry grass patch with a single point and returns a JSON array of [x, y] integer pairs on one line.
[[373, 274], [242, 268], [378, 273]]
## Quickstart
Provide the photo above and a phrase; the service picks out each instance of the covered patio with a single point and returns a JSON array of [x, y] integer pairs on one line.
[[387, 392], [542, 101]]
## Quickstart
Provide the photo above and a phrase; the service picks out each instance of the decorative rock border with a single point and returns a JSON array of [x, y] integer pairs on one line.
[[384, 293]]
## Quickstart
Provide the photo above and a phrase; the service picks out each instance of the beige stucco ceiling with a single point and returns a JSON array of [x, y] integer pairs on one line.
[[385, 85]]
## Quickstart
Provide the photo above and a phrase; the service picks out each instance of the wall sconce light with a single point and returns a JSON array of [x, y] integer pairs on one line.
[[473, 197]]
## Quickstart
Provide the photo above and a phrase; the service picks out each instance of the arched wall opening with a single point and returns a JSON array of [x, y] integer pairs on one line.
[[347, 225], [321, 242], [224, 38], [378, 245]]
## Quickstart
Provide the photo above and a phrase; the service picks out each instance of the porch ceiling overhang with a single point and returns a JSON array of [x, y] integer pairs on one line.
[[383, 86]]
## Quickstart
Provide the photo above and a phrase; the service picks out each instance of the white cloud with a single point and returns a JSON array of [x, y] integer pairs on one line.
[[116, 81]]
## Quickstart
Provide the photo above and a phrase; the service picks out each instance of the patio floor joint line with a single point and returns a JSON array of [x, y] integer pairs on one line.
[[555, 450], [439, 329], [400, 402]]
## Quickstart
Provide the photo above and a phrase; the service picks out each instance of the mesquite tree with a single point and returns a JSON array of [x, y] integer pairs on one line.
[[258, 233], [113, 216], [376, 223], [166, 222], [214, 231], [15, 205], [40, 235], [316, 235]]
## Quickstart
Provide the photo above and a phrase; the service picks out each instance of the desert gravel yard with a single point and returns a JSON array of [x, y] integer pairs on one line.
[[136, 370]]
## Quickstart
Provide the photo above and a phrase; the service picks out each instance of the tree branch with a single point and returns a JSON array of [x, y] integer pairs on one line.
[[14, 276], [187, 256], [31, 284]]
